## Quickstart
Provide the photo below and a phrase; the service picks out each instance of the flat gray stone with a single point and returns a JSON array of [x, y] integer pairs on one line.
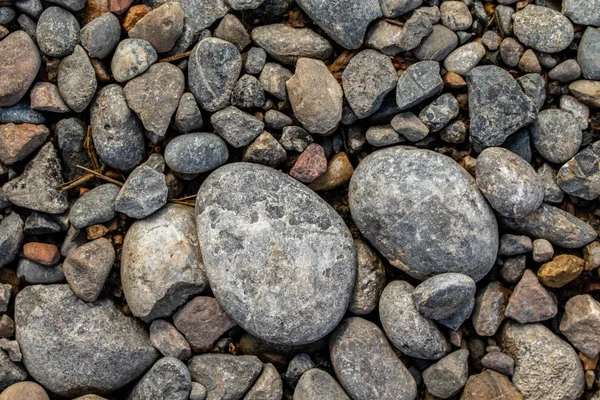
[[95, 207], [114, 351], [423, 239], [410, 126], [11, 237], [87, 267], [435, 47], [77, 80], [168, 378], [556, 135], [420, 81], [34, 273], [542, 28], [57, 32], [40, 224], [565, 72], [500, 362], [131, 58], [439, 112], [316, 384], [168, 340], [236, 127], [534, 86], [299, 231], [245, 4], [194, 153], [101, 35], [396, 8], [466, 57], [161, 266], [370, 280]]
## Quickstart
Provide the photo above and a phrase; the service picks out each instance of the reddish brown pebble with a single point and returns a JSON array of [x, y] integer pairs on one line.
[[310, 165], [24, 391], [45, 97], [19, 141], [119, 6], [338, 173], [561, 270], [490, 385], [168, 340], [202, 321], [530, 301], [19, 64], [454, 81], [96, 231], [100, 70], [94, 9], [42, 253], [134, 14]]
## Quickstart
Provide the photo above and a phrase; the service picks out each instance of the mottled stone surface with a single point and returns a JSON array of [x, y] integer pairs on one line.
[[556, 135], [194, 153], [161, 265], [131, 58], [316, 384], [490, 385], [441, 296], [266, 150], [46, 97], [370, 280], [580, 176], [439, 219], [582, 12], [57, 32], [543, 28], [246, 233], [100, 36], [168, 378], [447, 376], [114, 351], [11, 237], [10, 372], [273, 78], [419, 82], [546, 367], [437, 45], [95, 207], [530, 301], [77, 80], [87, 267], [19, 66], [188, 117], [586, 91], [168, 340], [236, 127], [580, 324], [268, 385], [161, 26], [19, 141], [561, 270], [466, 57], [490, 306]]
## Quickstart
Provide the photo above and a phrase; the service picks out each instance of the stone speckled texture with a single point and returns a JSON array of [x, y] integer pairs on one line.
[[19, 141], [268, 385], [11, 237], [419, 82], [556, 135], [446, 377], [168, 378], [440, 296], [57, 32], [439, 219], [543, 28], [316, 384], [530, 301], [490, 385], [490, 306], [19, 66], [95, 207], [161, 26], [580, 324], [194, 153], [370, 280], [131, 58], [236, 127], [292, 249], [161, 265], [77, 80], [113, 352], [546, 367], [366, 365], [580, 176]]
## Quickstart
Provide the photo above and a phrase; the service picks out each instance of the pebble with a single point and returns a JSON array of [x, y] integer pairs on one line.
[[561, 270], [7, 326], [552, 192], [386, 37], [132, 57], [194, 153], [21, 113], [455, 15], [435, 47], [223, 375], [447, 377], [58, 357], [582, 13], [490, 385], [245, 4], [417, 27], [491, 39], [443, 296], [167, 259], [346, 23], [412, 333], [580, 324], [587, 53], [410, 126], [295, 138], [5, 292], [20, 63], [17, 142], [248, 93], [77, 80], [35, 188], [116, 131], [213, 70], [87, 267], [296, 368], [268, 385], [40, 224], [41, 253], [188, 117], [310, 164], [168, 340], [396, 8], [419, 82], [34, 273], [236, 127], [100, 36], [565, 72], [266, 150], [154, 97], [580, 111], [497, 106], [466, 57], [232, 30], [168, 378], [556, 135], [439, 112], [256, 58], [198, 392], [277, 120], [513, 268], [508, 182], [490, 305], [10, 372], [202, 321], [24, 391], [367, 79], [57, 32], [543, 29], [273, 78], [366, 365], [403, 240], [95, 207], [384, 135], [546, 367], [511, 245], [529, 62], [587, 92], [530, 301], [72, 5], [511, 51], [201, 14], [161, 26], [286, 44], [313, 81], [46, 97], [591, 255], [370, 280], [534, 87], [339, 171], [316, 384]]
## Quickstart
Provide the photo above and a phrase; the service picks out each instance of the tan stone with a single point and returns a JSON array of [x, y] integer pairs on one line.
[[490, 385], [561, 270], [338, 173], [24, 391]]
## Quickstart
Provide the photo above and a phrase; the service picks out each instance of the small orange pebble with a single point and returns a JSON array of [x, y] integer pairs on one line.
[[589, 364], [118, 239], [134, 14], [42, 253], [454, 81], [96, 231], [83, 191]]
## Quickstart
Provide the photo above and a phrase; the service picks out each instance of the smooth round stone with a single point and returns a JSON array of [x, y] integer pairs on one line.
[[95, 207], [77, 80], [161, 26], [510, 183], [423, 212], [194, 153], [19, 65], [24, 391], [132, 57], [565, 72], [412, 333], [293, 252], [556, 135], [465, 58], [441, 296], [72, 347], [161, 265], [588, 54], [316, 384], [543, 29], [101, 35], [57, 32]]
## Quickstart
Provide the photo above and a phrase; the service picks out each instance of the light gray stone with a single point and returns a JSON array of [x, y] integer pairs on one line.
[[168, 378], [131, 58], [543, 28], [556, 135]]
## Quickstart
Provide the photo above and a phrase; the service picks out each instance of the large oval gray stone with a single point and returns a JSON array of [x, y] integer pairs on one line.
[[293, 252], [543, 28], [161, 264], [72, 347], [57, 32], [423, 213]]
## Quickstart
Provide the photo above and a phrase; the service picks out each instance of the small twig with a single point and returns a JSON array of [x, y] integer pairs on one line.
[[176, 57], [394, 22], [89, 146], [192, 196], [184, 203], [101, 176], [74, 183]]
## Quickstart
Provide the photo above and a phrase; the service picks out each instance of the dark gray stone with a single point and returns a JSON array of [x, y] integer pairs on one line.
[[588, 54], [273, 78], [232, 30], [71, 133], [395, 8], [74, 238], [296, 368], [21, 113], [447, 377], [346, 22], [420, 81], [10, 372], [33, 8], [154, 97], [412, 333], [199, 15], [256, 58], [248, 93], [490, 306], [415, 29], [268, 385], [439, 218], [441, 296], [36, 187], [582, 12], [534, 86], [161, 266], [168, 378], [543, 29], [300, 231], [295, 138], [565, 72], [20, 64], [556, 135], [367, 79], [497, 106], [511, 245], [95, 207], [552, 192], [580, 176], [500, 362], [28, 25], [316, 384], [366, 364], [266, 150], [114, 351], [223, 375], [511, 51], [116, 131], [161, 26], [11, 237], [508, 182], [71, 5], [437, 45], [188, 117], [194, 153], [87, 267], [131, 58], [555, 225], [77, 80], [439, 112], [513, 269], [101, 35], [7, 15], [546, 367], [520, 144], [277, 120], [454, 132], [144, 192], [245, 4], [40, 224], [34, 273], [410, 126], [213, 70], [57, 32], [236, 127]]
